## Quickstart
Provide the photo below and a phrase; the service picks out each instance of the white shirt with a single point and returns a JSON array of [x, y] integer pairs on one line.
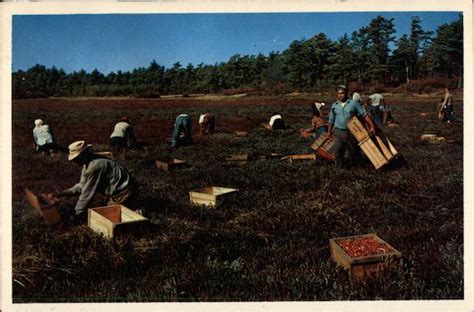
[[273, 118], [356, 97], [42, 135], [120, 129], [201, 118], [376, 98]]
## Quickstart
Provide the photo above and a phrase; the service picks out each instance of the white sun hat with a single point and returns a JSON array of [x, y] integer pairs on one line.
[[76, 148]]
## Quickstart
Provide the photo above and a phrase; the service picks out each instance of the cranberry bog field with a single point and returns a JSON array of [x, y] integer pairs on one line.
[[267, 242]]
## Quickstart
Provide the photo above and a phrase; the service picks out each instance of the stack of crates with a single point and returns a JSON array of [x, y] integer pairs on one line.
[[376, 147]]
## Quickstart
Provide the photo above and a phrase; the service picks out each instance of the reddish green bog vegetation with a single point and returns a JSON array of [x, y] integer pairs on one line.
[[270, 240]]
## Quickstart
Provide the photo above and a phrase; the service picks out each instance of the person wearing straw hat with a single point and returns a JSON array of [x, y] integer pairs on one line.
[[44, 139], [341, 111], [99, 175], [123, 135]]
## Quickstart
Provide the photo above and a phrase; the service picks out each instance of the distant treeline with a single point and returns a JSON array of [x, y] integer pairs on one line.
[[311, 64]]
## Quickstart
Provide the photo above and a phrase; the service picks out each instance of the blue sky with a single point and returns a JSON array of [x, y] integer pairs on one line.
[[115, 42]]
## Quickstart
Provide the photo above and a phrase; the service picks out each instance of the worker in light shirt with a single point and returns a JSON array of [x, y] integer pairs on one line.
[[207, 124], [276, 122], [123, 135]]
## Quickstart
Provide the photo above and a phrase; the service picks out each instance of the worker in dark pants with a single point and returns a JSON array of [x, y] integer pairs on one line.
[[182, 126], [341, 111]]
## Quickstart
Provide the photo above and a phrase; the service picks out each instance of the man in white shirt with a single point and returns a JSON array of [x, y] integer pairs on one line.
[[123, 135]]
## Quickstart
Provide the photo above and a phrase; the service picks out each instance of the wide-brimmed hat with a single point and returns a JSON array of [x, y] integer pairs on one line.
[[76, 148]]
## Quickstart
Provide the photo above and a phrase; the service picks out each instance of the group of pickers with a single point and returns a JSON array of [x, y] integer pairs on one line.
[[109, 177]]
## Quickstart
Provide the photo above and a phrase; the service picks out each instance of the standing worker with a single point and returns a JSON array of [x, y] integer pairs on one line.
[[99, 175], [182, 126], [207, 124], [446, 108], [341, 111], [123, 135], [44, 139]]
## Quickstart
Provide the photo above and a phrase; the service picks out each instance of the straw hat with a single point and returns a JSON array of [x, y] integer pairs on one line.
[[76, 148]]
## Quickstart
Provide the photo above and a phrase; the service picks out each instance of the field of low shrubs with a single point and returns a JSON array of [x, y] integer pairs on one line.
[[269, 241]]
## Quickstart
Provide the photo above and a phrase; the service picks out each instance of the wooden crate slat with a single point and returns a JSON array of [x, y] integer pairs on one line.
[[129, 215], [203, 196], [373, 153], [386, 152], [100, 224]]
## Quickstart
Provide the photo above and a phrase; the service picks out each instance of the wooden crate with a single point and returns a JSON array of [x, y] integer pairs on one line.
[[363, 266], [273, 155], [357, 129], [432, 138], [238, 157], [372, 151], [210, 196], [114, 221], [296, 157], [109, 155], [376, 147], [320, 141], [169, 164], [323, 146], [45, 207], [241, 134]]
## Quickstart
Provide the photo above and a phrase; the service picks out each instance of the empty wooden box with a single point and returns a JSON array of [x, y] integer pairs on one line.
[[45, 207], [240, 158], [241, 134], [363, 255], [169, 164], [114, 220], [432, 138], [210, 196]]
